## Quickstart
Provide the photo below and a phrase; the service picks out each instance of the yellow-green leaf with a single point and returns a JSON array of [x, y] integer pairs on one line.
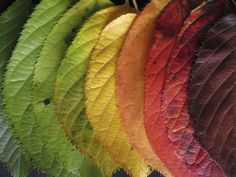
[[46, 68], [69, 92]]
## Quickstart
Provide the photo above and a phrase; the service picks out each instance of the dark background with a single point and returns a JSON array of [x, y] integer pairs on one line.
[[3, 6], [5, 173]]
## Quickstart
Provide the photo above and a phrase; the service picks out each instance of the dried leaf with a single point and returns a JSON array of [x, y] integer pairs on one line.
[[189, 158], [100, 97], [212, 94]]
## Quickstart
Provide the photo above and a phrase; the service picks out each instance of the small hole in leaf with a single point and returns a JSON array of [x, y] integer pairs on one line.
[[71, 36], [47, 101]]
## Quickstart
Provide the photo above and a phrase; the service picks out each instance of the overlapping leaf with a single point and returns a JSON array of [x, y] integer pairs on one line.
[[100, 97], [10, 150], [190, 159], [45, 75], [69, 90], [117, 83], [11, 22], [4, 4], [130, 81], [155, 69], [212, 95], [17, 89]]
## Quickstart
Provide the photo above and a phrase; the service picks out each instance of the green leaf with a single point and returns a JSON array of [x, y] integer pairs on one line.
[[10, 150], [11, 22], [45, 74], [17, 90], [69, 93]]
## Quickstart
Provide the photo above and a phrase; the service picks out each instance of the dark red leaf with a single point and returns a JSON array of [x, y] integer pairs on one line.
[[171, 133], [212, 94], [198, 162]]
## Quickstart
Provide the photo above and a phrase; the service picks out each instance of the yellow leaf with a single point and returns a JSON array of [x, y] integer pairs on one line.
[[100, 97]]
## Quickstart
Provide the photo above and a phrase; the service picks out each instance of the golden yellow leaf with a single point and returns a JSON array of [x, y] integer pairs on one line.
[[100, 97]]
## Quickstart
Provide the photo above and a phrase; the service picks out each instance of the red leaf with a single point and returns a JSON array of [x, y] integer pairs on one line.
[[165, 36], [212, 94], [175, 106], [171, 133]]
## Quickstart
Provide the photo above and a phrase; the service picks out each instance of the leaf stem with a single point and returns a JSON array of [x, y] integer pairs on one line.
[[135, 5]]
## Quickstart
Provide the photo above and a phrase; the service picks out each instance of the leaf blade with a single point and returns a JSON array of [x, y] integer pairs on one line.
[[100, 98], [10, 150], [45, 73], [194, 158], [18, 81], [129, 82], [154, 77], [69, 86], [212, 94]]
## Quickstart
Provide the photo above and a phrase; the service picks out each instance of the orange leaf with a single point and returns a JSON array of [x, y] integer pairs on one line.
[[130, 81]]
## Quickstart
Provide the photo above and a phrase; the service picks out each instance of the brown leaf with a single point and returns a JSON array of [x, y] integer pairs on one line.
[[212, 94]]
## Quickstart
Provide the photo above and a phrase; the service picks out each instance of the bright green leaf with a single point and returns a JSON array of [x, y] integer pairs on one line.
[[17, 90]]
